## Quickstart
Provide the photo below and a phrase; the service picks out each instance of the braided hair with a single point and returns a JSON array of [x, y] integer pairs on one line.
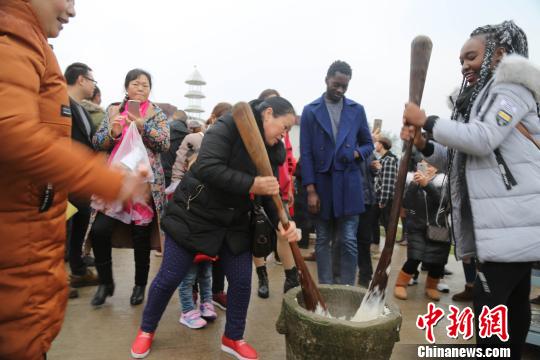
[[513, 39], [507, 35]]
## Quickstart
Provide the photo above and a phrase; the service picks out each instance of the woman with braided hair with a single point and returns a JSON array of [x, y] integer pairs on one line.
[[490, 150]]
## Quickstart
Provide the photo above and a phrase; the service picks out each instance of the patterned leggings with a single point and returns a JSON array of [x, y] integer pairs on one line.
[[174, 267]]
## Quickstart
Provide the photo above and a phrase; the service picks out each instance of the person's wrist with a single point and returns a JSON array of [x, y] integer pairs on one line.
[[429, 123]]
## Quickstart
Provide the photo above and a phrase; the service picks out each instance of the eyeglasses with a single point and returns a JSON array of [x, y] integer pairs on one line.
[[92, 80]]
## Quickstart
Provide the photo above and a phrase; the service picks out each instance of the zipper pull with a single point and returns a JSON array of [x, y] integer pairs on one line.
[[505, 177]]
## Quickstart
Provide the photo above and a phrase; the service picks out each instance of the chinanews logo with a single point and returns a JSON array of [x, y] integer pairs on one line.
[[491, 322]]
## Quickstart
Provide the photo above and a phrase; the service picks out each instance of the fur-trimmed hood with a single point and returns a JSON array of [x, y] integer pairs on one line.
[[91, 107], [519, 70]]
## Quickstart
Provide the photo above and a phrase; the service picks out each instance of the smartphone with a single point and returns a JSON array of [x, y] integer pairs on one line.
[[377, 124], [133, 107], [422, 167]]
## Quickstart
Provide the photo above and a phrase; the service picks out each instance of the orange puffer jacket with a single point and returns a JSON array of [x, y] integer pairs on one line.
[[36, 152]]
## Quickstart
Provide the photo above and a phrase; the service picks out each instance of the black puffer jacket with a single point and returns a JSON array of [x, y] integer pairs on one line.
[[211, 206], [419, 247]]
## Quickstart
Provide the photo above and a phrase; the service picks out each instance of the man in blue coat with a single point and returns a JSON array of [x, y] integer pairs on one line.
[[334, 140]]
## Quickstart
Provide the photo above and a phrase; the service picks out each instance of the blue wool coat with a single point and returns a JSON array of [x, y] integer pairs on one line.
[[330, 165]]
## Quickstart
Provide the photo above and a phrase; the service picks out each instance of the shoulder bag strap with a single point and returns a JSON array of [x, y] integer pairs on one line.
[[522, 129]]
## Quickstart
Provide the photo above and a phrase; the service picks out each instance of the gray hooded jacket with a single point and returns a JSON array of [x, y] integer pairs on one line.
[[489, 220]]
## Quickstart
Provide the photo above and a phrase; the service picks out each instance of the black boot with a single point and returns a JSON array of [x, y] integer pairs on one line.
[[102, 292], [263, 282], [137, 296], [106, 283], [291, 279]]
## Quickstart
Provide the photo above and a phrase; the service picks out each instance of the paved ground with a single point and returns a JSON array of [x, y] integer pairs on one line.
[[106, 333]]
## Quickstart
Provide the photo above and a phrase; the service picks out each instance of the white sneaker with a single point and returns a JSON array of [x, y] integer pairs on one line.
[[443, 287]]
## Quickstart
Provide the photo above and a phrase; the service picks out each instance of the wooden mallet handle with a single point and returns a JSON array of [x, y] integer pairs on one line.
[[420, 55]]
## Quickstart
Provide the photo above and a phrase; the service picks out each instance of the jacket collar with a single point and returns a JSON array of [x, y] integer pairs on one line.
[[389, 154], [346, 101], [323, 117]]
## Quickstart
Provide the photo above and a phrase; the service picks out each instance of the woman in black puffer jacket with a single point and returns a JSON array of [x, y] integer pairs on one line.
[[424, 207], [210, 214]]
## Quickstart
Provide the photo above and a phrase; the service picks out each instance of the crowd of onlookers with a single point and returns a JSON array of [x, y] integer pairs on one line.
[[346, 219], [139, 178]]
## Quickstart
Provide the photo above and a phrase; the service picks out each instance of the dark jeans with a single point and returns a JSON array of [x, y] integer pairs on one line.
[[174, 267], [385, 215], [78, 225], [381, 217], [364, 239], [508, 284], [101, 233], [375, 225], [470, 271], [435, 271]]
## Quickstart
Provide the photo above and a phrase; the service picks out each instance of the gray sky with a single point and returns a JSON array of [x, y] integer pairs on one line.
[[244, 46]]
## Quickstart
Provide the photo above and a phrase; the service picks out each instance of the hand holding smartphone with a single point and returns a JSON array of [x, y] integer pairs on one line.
[[377, 125]]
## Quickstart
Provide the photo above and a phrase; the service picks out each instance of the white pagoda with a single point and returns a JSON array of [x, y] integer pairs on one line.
[[194, 95]]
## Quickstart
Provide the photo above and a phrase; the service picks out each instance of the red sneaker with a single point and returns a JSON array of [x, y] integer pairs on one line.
[[240, 349], [142, 344]]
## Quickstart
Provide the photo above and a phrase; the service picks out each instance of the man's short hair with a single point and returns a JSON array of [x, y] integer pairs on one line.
[[75, 70], [339, 66]]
